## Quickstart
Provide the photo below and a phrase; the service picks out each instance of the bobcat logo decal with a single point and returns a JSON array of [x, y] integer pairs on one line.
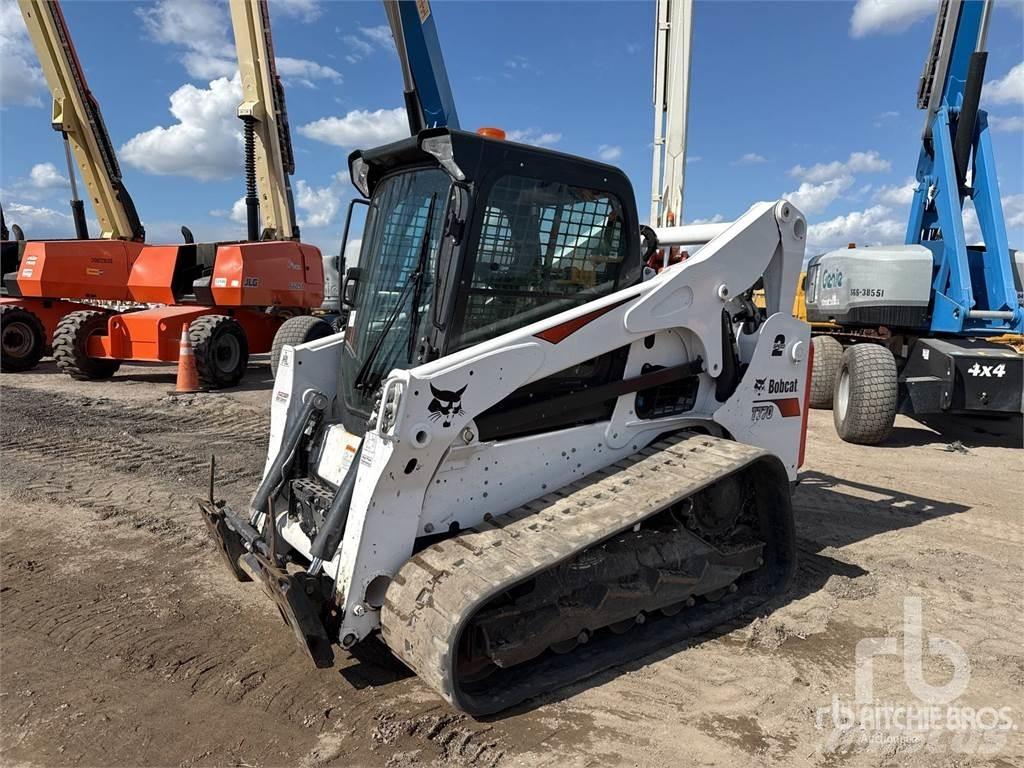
[[445, 405], [759, 385]]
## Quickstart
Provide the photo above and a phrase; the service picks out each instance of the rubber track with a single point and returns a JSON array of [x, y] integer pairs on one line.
[[438, 590]]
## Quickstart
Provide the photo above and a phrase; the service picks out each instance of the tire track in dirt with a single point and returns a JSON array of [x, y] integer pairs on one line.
[[134, 465], [165, 615], [168, 632]]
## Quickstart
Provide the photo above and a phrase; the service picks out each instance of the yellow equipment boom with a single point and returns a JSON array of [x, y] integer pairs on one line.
[[76, 114], [268, 147]]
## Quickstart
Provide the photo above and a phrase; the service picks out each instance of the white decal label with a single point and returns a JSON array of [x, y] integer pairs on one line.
[[370, 443], [987, 371], [926, 353], [220, 282]]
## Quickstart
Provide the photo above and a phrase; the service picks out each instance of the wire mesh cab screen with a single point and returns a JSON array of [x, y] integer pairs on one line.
[[544, 247]]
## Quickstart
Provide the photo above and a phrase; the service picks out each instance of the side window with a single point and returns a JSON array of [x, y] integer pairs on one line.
[[544, 247]]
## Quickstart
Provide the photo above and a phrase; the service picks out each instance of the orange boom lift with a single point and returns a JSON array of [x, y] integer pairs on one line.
[[234, 296], [43, 276]]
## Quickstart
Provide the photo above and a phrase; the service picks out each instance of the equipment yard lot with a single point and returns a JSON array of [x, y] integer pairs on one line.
[[125, 642]]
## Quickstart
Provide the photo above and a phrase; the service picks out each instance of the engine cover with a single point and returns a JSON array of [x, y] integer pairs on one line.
[[887, 285]]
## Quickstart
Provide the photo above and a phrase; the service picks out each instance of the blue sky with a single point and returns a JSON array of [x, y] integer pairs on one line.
[[815, 100]]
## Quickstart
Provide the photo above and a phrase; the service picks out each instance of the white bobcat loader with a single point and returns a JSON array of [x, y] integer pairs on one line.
[[530, 456]]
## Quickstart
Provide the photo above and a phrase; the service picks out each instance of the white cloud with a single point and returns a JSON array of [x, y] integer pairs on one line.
[[203, 29], [380, 35], [1013, 210], [239, 213], [304, 71], [205, 67], [1008, 89], [205, 142], [751, 158], [609, 152], [713, 220], [898, 194], [46, 176], [1006, 124], [359, 128], [534, 136], [858, 162], [316, 207], [888, 16], [319, 204], [814, 198], [367, 41], [874, 226], [304, 10], [199, 26], [21, 79], [40, 222]]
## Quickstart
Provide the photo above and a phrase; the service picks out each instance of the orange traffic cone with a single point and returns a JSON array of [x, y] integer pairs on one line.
[[188, 375]]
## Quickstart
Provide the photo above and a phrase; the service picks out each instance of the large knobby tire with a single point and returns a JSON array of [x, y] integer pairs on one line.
[[23, 339], [71, 345], [221, 350], [828, 353], [295, 331], [866, 389]]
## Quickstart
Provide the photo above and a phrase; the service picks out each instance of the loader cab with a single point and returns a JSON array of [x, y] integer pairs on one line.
[[468, 237]]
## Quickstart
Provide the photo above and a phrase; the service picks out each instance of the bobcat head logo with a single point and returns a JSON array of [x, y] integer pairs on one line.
[[445, 405], [759, 385]]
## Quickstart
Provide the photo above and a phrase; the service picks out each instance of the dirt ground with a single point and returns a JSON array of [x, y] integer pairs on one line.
[[123, 640]]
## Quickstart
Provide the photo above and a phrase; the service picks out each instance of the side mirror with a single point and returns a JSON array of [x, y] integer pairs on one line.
[[455, 218], [349, 287], [345, 300]]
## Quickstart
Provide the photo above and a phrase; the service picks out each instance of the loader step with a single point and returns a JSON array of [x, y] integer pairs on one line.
[[449, 595]]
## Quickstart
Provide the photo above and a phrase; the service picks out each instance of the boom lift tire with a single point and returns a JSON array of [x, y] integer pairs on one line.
[[866, 391], [221, 350], [71, 344], [24, 339], [295, 331], [828, 353]]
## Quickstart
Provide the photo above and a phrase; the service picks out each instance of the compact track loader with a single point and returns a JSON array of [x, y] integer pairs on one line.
[[529, 456]]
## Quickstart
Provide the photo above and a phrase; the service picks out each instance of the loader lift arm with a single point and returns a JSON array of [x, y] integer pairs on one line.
[[269, 157], [76, 115]]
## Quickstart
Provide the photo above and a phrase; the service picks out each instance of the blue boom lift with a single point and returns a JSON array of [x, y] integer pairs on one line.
[[908, 326]]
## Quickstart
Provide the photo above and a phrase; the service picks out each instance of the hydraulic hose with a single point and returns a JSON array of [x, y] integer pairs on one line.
[[966, 122], [278, 472]]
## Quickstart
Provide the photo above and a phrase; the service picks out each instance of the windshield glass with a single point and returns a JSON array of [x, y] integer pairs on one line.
[[392, 243]]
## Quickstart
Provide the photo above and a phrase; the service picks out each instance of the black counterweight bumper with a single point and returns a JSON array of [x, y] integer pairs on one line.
[[962, 376]]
